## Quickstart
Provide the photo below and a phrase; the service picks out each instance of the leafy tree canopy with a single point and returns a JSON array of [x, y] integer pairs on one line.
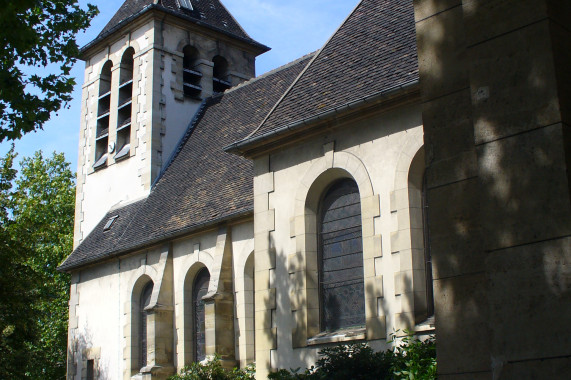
[[36, 234], [33, 34]]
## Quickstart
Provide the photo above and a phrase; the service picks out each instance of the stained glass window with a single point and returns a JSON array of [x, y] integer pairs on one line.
[[145, 300], [342, 295], [199, 290]]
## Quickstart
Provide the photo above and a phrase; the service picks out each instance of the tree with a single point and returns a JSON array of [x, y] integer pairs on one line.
[[33, 34], [37, 210], [16, 285]]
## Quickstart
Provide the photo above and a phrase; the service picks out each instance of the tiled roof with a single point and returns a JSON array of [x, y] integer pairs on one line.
[[205, 12], [203, 184], [104, 241], [374, 50]]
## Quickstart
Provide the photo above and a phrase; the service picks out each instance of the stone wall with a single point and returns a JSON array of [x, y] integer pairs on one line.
[[161, 113], [104, 306], [376, 151], [495, 84]]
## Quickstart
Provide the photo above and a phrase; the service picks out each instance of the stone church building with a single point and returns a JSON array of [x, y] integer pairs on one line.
[[412, 174]]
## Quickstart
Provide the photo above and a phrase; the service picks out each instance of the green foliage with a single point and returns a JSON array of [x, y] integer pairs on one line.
[[36, 234], [16, 284], [213, 370], [33, 34], [415, 359], [411, 359]]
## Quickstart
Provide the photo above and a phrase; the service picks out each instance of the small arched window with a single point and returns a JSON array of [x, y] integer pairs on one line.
[[220, 81], [422, 299], [199, 290], [191, 74], [341, 279], [125, 106], [144, 302], [103, 110], [427, 255], [248, 354]]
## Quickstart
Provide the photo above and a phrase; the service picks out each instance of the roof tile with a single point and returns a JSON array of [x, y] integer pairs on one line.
[[203, 183], [374, 50], [209, 12]]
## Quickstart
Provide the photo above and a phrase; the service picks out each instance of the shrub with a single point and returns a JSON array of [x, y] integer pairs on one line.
[[412, 359], [213, 370], [415, 359]]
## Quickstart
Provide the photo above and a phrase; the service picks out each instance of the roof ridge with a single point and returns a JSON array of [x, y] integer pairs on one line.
[[268, 73], [318, 53], [236, 21], [132, 9]]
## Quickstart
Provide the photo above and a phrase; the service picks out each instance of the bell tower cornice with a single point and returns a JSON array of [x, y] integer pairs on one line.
[[132, 14]]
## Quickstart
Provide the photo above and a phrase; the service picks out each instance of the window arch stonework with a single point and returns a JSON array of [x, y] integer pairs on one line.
[[220, 80], [125, 114], [412, 280], [191, 74], [103, 116], [184, 310], [303, 265], [245, 306], [137, 321]]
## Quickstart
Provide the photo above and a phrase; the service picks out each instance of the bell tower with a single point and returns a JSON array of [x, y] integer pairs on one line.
[[146, 75]]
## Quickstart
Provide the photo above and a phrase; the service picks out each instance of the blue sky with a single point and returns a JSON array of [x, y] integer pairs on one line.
[[291, 28]]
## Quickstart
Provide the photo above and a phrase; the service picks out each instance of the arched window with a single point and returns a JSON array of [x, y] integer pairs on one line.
[[341, 279], [427, 255], [248, 354], [199, 290], [220, 81], [103, 109], [125, 105], [423, 299], [191, 74], [144, 302]]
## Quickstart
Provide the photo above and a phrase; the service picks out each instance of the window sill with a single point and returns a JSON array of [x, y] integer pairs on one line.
[[427, 326], [345, 335]]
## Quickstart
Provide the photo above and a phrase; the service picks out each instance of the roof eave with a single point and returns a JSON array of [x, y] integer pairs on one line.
[[162, 239], [257, 47], [247, 146]]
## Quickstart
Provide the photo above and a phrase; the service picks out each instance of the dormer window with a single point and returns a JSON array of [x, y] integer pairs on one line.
[[185, 4], [110, 222]]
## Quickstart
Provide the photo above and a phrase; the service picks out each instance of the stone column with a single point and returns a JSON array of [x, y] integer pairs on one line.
[[265, 264], [219, 303], [496, 108], [206, 68], [160, 317]]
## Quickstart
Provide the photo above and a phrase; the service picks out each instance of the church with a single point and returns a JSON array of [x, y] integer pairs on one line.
[[360, 191]]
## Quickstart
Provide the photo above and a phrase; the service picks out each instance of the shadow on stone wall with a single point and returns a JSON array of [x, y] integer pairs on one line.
[[80, 351], [495, 108]]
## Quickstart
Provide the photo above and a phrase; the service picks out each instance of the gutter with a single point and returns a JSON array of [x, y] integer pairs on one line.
[[240, 147], [176, 234]]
